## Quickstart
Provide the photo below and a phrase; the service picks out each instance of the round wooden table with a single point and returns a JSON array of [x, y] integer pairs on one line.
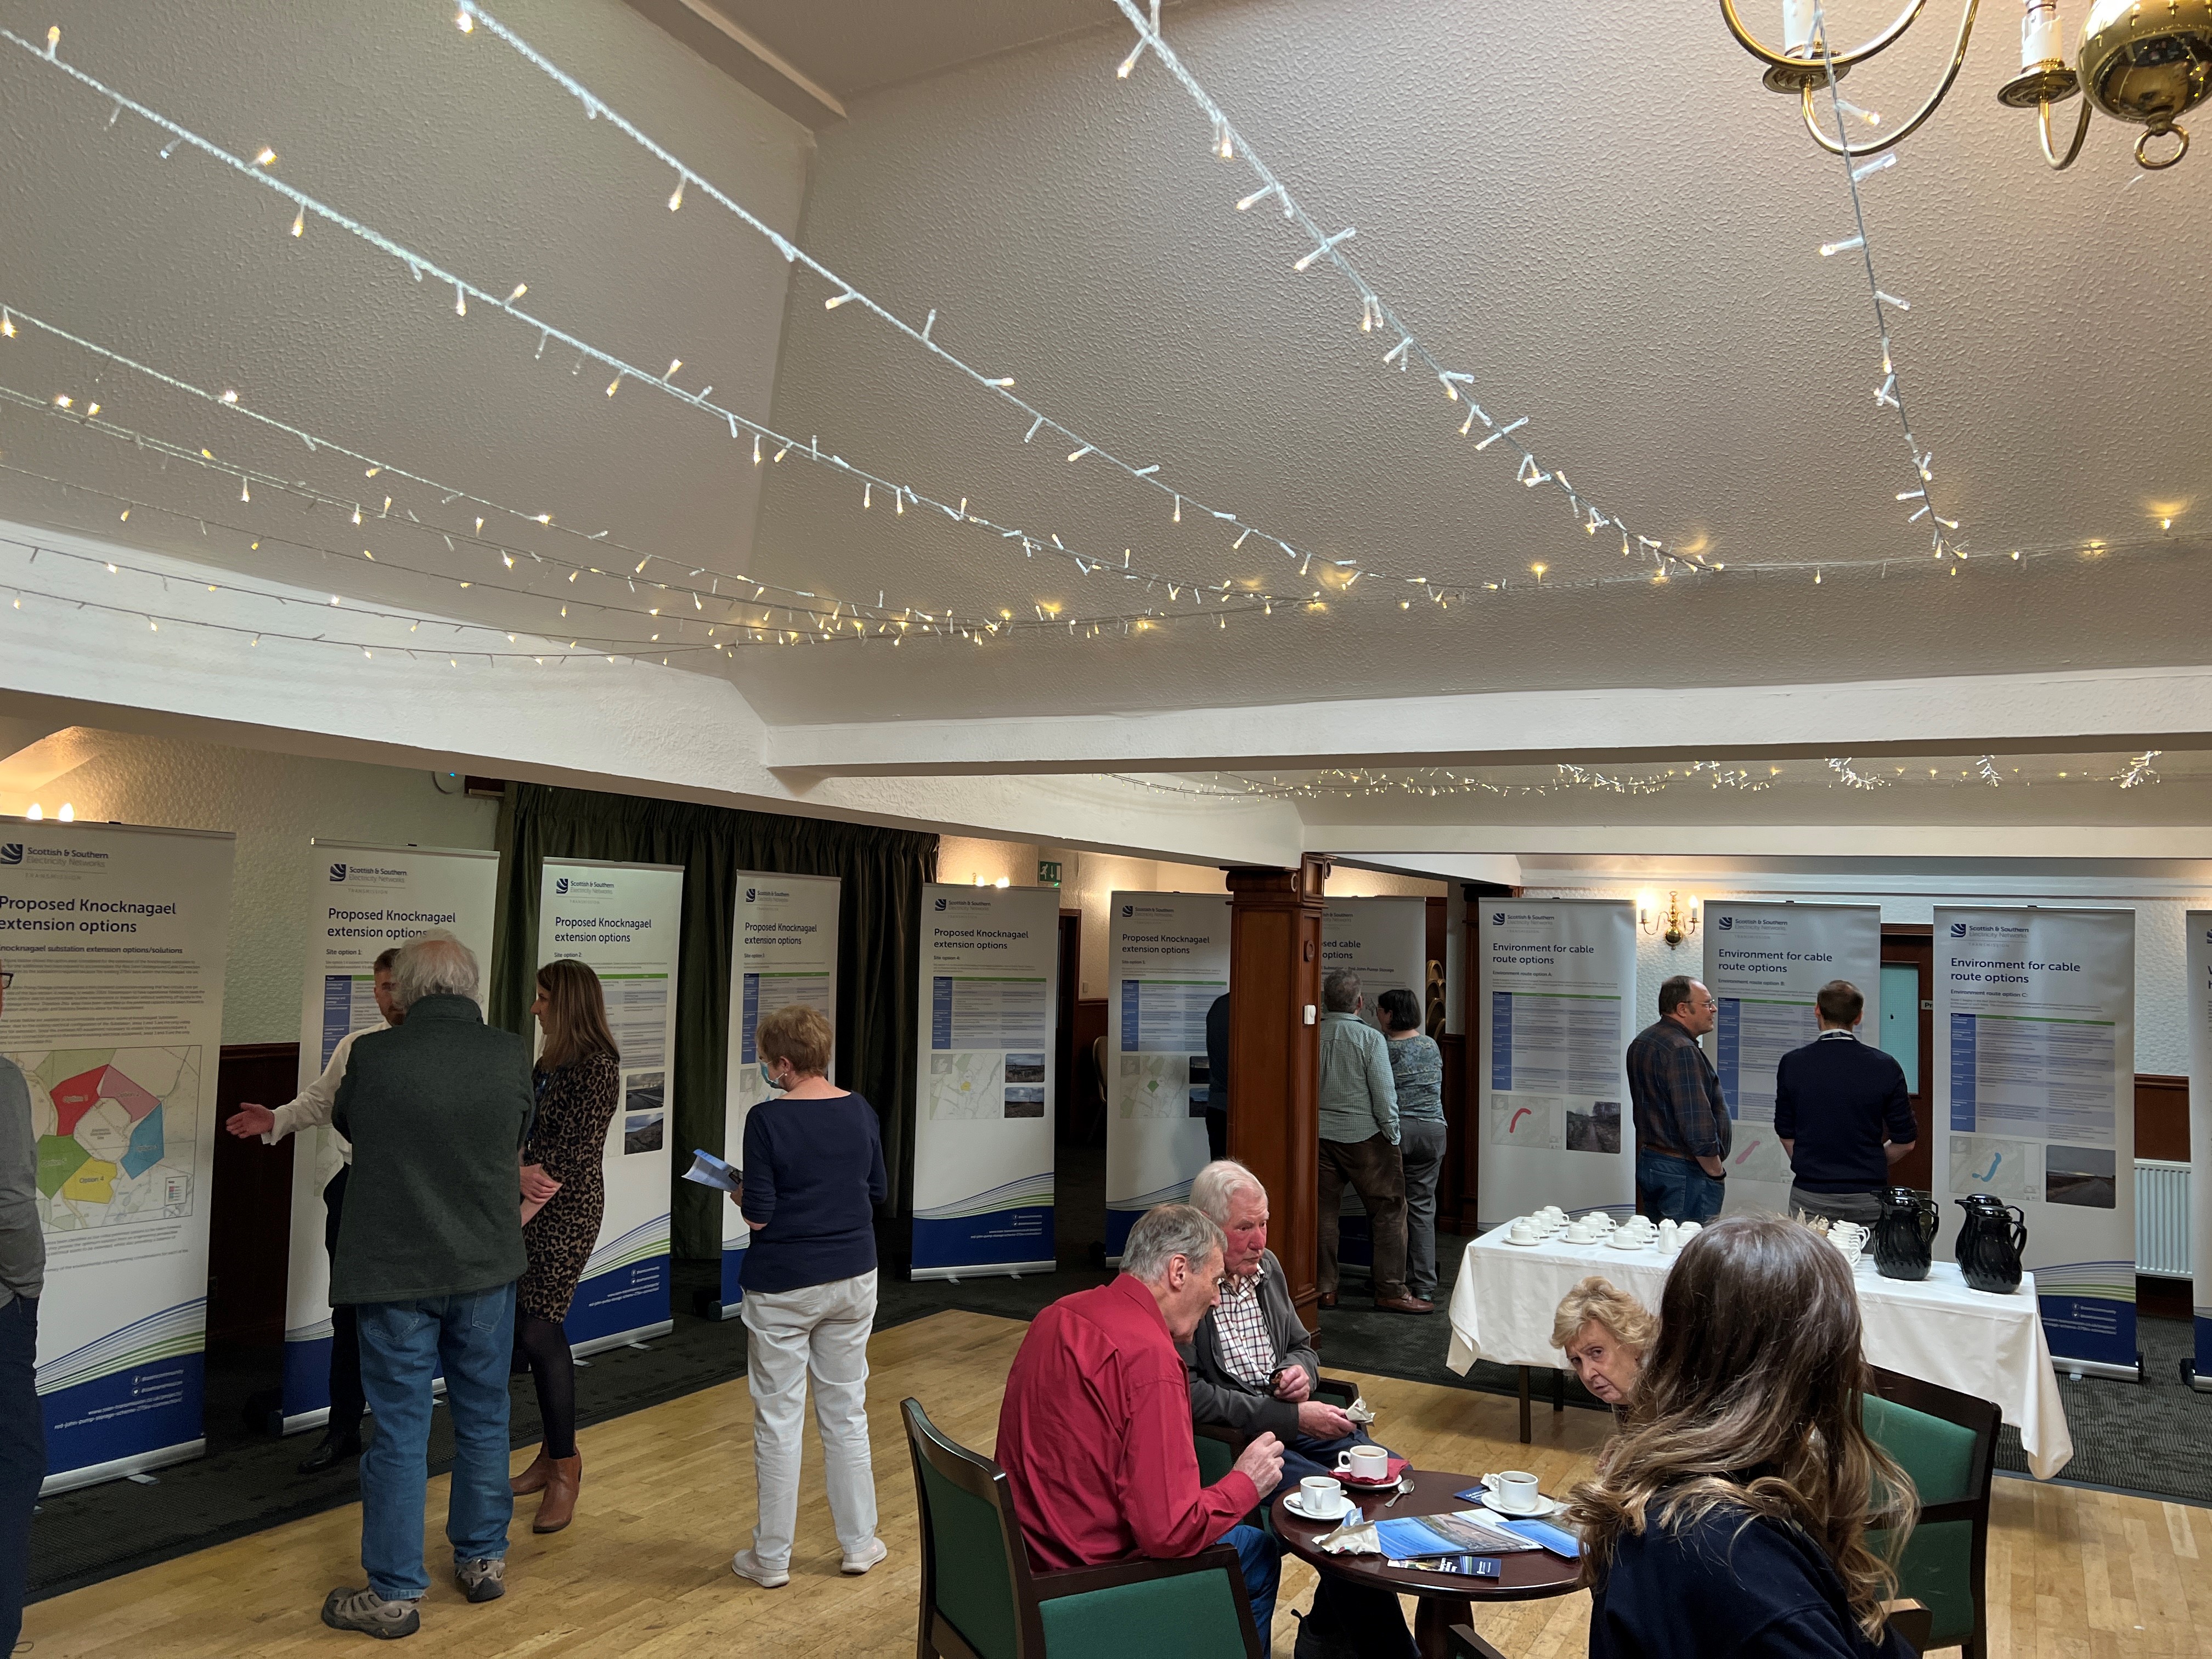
[[1445, 1599]]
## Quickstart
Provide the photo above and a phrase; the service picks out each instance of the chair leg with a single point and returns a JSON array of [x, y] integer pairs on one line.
[[1559, 1391], [1526, 1437]]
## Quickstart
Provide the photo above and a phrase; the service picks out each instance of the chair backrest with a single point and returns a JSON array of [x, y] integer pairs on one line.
[[1946, 1442], [974, 1566]]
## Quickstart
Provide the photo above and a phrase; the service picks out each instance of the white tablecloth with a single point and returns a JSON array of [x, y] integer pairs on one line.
[[1990, 1346]]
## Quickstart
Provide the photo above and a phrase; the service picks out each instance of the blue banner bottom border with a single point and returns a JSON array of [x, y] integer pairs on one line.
[[143, 1417], [1015, 1240]]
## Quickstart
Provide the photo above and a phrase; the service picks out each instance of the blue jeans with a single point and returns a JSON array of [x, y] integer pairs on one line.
[[1261, 1557], [402, 1346], [1306, 1456], [22, 1458], [1675, 1189]]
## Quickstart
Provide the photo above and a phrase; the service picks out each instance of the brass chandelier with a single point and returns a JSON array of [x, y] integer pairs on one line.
[[2140, 61]]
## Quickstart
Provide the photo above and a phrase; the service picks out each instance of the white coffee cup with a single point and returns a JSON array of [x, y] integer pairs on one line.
[[1364, 1462], [1687, 1230], [1523, 1231], [1514, 1491], [1321, 1497], [1581, 1233]]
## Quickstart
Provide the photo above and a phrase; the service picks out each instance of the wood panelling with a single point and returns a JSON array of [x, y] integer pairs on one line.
[[2162, 1116]]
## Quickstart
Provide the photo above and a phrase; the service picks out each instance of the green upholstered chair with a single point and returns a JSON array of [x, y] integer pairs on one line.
[[1946, 1442], [982, 1600]]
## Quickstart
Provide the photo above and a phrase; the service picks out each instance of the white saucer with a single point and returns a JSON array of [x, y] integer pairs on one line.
[[1545, 1508], [1525, 1243], [1627, 1242], [1298, 1509]]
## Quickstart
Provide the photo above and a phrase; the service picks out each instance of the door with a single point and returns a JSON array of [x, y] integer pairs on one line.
[[1908, 1034]]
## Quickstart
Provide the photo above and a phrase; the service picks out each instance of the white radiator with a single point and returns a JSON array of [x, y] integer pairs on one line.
[[2162, 1218]]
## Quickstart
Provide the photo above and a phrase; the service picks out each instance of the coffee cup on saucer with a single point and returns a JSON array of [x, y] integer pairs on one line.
[[1688, 1230], [1513, 1493], [1364, 1463], [1581, 1233], [1320, 1497], [1524, 1232]]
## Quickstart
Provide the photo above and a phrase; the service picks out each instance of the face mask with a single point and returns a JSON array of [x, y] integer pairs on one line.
[[769, 1077]]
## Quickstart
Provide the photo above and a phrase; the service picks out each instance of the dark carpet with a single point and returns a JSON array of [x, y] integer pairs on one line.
[[2151, 1438]]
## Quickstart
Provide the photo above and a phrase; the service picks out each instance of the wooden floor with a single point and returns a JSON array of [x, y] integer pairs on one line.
[[668, 1494]]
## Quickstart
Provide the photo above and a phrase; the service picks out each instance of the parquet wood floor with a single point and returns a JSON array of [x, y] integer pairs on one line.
[[668, 1494]]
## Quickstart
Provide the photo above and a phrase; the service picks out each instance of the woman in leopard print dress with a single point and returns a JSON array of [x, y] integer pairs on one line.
[[564, 1194]]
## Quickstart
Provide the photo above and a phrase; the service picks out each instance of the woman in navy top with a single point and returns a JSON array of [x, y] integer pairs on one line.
[[814, 1175], [1730, 1517]]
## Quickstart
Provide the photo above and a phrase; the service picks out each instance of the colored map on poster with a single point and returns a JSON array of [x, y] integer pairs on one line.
[[116, 1130]]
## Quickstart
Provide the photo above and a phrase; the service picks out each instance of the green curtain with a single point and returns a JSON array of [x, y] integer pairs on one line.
[[879, 917]]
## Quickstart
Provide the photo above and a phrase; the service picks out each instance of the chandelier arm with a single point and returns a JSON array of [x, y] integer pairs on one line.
[[1840, 147], [2081, 131], [1766, 54]]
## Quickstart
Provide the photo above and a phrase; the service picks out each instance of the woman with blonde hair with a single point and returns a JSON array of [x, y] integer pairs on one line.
[[564, 1195], [1605, 1333], [1730, 1517], [814, 1175]]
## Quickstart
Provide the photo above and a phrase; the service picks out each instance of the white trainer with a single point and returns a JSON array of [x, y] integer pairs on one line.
[[854, 1565], [746, 1564]]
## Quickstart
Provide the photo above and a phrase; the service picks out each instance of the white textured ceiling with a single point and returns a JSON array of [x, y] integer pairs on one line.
[[1630, 263]]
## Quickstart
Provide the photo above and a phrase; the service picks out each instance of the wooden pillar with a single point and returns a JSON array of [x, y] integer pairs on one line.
[[1473, 1128], [1274, 1054]]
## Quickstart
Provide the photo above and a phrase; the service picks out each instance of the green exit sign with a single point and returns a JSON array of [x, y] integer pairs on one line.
[[1047, 873]]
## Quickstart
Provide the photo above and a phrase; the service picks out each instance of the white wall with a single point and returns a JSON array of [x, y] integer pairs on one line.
[[273, 803]]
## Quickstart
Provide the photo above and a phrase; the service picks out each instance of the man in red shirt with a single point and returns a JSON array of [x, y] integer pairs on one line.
[[1095, 1434]]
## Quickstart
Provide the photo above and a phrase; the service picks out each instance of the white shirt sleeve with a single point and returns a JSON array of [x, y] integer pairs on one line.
[[315, 1102]]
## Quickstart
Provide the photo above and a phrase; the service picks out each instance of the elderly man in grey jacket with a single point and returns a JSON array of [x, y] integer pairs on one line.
[[1252, 1364]]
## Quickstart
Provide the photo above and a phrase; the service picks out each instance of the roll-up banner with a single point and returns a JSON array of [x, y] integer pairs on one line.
[[2200, 1138], [1558, 1010], [2035, 1026], [785, 952], [983, 1116], [626, 921], [1383, 940], [1763, 964], [1169, 956], [116, 938], [367, 899]]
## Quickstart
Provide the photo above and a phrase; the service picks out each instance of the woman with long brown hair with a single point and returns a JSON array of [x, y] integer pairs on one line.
[[564, 1194], [1730, 1517]]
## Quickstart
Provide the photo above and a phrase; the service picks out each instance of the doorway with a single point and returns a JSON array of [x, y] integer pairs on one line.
[[1908, 1035]]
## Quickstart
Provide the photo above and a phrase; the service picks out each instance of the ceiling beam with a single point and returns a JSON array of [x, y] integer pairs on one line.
[[746, 58], [2114, 709]]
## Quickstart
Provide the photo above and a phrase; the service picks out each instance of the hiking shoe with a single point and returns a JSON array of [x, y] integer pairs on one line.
[[854, 1565], [746, 1564], [366, 1611], [482, 1580]]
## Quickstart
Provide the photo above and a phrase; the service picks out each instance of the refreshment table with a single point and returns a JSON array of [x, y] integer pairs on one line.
[[1937, 1329]]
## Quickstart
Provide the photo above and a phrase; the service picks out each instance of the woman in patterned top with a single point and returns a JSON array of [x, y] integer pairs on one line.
[[564, 1193]]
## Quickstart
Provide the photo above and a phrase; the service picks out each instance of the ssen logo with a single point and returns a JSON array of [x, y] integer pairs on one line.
[[1498, 918], [940, 904], [1725, 923], [1957, 930], [750, 895], [1128, 910], [12, 853], [560, 885], [337, 872]]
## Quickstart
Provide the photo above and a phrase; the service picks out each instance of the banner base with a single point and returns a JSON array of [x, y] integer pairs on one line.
[[320, 1417], [137, 1464], [2071, 1368], [620, 1339], [2200, 1381], [983, 1270]]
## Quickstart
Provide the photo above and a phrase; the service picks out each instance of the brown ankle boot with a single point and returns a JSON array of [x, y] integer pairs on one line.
[[558, 1507], [534, 1478]]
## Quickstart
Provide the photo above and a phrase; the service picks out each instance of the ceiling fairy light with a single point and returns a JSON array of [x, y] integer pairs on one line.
[[1325, 246], [421, 266]]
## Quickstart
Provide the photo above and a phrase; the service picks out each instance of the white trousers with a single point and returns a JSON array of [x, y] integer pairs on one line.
[[821, 1330]]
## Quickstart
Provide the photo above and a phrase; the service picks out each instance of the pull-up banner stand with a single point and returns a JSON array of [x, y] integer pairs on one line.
[[117, 939], [785, 952], [2199, 1373], [366, 900], [625, 920], [1169, 958], [2035, 1016], [983, 1117], [1558, 1010], [1383, 940], [1763, 964]]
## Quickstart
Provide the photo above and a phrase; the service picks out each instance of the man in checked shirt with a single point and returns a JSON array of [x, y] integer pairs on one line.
[[1682, 1128]]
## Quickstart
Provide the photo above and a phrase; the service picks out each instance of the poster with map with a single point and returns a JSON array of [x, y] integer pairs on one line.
[[983, 1140], [116, 938]]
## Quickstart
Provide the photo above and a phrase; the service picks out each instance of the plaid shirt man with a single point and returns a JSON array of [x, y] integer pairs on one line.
[[1240, 1325], [1676, 1095]]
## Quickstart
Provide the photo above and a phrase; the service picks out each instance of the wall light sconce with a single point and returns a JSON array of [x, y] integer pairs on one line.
[[1677, 922]]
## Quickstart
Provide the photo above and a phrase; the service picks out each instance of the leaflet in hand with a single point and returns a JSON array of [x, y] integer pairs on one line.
[[1469, 1532], [710, 1171]]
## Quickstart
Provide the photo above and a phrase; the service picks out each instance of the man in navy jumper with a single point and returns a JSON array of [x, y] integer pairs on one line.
[[1842, 1113]]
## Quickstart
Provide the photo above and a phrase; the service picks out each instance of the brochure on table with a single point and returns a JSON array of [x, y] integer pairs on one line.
[[2035, 1071], [1168, 954], [116, 939], [984, 1108], [2200, 1132], [626, 921], [1558, 1001], [784, 951], [364, 900], [1763, 964]]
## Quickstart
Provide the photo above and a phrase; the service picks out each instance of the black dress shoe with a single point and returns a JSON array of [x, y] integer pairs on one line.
[[1326, 1299], [334, 1450]]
